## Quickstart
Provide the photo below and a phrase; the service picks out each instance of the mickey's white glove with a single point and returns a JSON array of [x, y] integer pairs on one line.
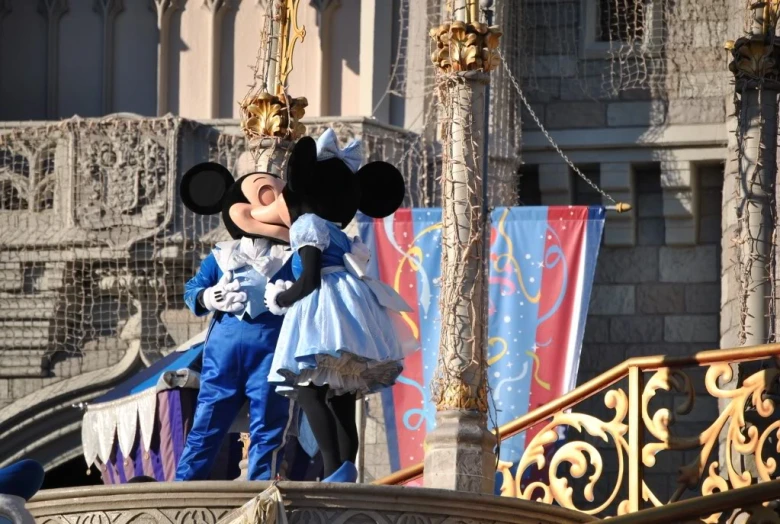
[[272, 290], [225, 296]]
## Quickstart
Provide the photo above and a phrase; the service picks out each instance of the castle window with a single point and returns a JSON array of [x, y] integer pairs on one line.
[[621, 20], [614, 25], [528, 185]]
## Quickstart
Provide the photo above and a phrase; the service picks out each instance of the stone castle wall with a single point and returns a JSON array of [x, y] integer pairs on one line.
[[576, 82], [660, 146]]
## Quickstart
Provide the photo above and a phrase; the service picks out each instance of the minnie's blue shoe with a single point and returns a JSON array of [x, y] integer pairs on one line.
[[347, 472]]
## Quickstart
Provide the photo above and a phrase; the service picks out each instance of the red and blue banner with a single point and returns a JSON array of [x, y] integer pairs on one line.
[[542, 263]]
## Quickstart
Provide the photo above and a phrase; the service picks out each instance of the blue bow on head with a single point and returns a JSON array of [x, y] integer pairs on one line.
[[328, 147]]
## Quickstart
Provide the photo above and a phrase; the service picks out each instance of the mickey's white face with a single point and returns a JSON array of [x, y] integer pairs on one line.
[[262, 216]]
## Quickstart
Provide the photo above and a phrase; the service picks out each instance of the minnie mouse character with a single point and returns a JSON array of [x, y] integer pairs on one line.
[[341, 334], [242, 335]]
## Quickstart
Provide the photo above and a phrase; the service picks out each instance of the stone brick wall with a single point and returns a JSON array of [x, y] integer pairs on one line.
[[570, 86], [6, 397], [556, 109]]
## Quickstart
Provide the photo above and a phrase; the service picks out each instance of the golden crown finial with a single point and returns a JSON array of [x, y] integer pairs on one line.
[[267, 112]]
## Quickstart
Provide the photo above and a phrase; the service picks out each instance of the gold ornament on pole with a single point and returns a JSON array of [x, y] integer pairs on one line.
[[288, 15], [268, 114], [466, 46], [755, 56]]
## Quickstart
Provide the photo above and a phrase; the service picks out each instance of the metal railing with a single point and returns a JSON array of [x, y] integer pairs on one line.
[[640, 434]]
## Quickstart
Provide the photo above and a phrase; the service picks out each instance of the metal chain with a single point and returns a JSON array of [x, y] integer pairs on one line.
[[547, 135]]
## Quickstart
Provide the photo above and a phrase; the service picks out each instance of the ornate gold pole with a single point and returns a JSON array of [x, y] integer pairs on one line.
[[460, 451], [270, 119]]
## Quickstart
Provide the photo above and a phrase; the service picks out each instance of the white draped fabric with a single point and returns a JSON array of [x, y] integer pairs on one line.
[[122, 419]]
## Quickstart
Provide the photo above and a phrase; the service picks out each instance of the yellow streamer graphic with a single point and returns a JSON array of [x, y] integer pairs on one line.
[[537, 365], [512, 260], [414, 258], [410, 254], [426, 231], [501, 354]]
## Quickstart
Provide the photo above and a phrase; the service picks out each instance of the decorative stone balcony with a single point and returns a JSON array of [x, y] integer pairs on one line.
[[95, 248], [306, 503]]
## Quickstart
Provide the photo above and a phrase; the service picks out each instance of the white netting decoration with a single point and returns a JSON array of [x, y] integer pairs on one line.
[[95, 245], [602, 48]]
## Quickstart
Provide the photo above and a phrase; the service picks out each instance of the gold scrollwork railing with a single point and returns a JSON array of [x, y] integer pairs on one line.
[[639, 434]]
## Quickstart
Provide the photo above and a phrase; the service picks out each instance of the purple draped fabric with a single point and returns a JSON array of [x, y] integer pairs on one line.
[[175, 409]]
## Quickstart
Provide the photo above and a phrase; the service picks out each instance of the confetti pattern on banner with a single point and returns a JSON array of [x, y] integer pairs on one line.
[[542, 263]]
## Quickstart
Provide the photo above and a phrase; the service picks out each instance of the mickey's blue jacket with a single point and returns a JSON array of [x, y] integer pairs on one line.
[[236, 361]]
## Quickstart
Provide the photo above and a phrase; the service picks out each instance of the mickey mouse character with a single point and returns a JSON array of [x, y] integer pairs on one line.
[[341, 336], [18, 483], [242, 335]]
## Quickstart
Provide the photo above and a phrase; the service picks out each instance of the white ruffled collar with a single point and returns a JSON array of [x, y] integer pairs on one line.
[[264, 256]]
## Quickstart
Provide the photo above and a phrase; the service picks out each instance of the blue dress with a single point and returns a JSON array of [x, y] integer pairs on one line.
[[340, 335]]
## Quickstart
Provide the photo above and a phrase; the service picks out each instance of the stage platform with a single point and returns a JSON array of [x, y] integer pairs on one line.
[[307, 503]]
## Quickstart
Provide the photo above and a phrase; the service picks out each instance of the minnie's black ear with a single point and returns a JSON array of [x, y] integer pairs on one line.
[[301, 165], [204, 186], [382, 189]]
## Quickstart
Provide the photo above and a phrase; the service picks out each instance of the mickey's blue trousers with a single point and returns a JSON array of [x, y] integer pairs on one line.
[[236, 362]]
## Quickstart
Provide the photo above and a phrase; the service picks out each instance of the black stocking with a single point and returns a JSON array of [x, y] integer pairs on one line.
[[343, 408], [312, 400]]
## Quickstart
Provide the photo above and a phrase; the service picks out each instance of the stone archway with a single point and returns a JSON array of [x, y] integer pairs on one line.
[[45, 425]]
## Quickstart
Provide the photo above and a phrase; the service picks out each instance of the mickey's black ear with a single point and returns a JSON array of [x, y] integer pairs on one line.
[[301, 164], [382, 189], [203, 187]]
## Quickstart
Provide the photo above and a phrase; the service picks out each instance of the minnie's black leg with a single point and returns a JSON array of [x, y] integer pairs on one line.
[[343, 407], [313, 401]]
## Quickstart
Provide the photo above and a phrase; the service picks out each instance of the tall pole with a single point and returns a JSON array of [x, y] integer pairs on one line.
[[752, 168], [460, 452], [273, 48], [749, 201]]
